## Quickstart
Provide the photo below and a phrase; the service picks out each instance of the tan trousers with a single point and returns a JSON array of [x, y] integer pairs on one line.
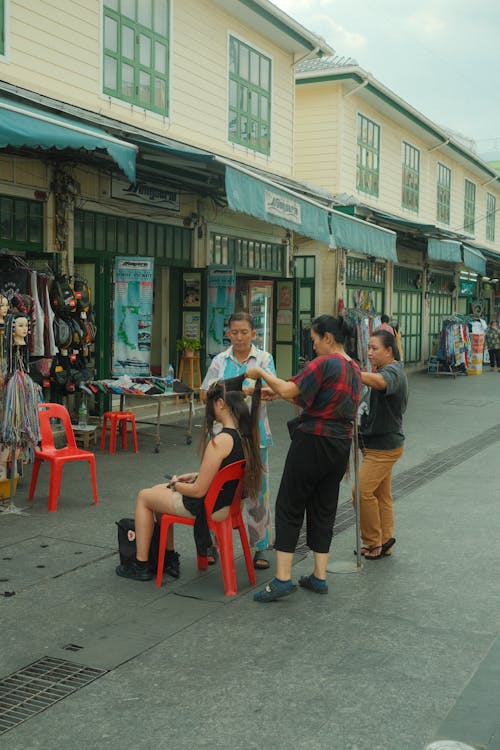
[[375, 497]]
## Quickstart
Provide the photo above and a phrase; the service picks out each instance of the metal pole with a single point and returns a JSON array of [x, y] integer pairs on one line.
[[355, 443], [350, 567]]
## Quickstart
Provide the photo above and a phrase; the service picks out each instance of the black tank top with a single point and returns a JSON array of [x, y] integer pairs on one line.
[[195, 504]]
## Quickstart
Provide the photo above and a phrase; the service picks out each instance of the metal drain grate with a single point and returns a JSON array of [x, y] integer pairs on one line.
[[38, 686], [409, 480]]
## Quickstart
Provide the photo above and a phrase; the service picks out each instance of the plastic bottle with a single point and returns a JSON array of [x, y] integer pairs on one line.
[[170, 379], [82, 414]]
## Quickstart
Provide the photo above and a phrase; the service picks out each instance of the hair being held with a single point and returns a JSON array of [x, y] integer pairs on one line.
[[248, 429]]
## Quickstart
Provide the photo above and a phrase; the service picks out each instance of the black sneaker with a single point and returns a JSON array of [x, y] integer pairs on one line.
[[132, 570], [172, 564], [307, 583]]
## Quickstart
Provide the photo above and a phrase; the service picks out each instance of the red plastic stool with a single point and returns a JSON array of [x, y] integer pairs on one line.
[[118, 419]]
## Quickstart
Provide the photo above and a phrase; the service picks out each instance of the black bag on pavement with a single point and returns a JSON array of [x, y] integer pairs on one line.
[[126, 542]]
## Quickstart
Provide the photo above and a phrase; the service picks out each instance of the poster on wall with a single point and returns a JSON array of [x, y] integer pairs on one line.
[[191, 325], [133, 316], [191, 292], [221, 288]]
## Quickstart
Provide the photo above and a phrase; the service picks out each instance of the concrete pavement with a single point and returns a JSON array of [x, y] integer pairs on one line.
[[397, 656]]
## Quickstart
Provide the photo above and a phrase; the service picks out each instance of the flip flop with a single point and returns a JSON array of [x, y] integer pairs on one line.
[[370, 556], [362, 551], [387, 546]]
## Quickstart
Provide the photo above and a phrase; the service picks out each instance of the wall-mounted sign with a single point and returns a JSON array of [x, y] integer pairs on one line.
[[145, 192], [467, 288], [285, 208]]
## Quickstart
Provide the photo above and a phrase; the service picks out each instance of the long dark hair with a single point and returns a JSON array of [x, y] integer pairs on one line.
[[16, 356], [388, 341], [248, 429], [340, 328]]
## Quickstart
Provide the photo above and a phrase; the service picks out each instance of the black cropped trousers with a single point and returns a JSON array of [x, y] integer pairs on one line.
[[313, 470]]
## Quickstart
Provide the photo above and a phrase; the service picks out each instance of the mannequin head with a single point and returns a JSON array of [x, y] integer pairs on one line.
[[20, 330], [4, 307]]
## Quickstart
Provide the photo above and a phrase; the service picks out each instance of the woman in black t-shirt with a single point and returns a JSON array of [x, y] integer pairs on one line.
[[184, 494], [381, 440]]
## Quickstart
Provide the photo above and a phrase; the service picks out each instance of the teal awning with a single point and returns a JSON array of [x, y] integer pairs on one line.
[[474, 260], [359, 235], [175, 148], [249, 195], [449, 251], [23, 125], [264, 200]]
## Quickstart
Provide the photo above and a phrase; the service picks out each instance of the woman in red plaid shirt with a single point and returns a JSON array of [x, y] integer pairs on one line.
[[328, 391]]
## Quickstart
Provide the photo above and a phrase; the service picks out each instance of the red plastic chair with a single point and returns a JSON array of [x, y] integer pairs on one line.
[[223, 530], [57, 457], [118, 419]]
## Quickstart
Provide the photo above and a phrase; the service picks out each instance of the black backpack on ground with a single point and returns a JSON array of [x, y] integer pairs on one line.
[[127, 546]]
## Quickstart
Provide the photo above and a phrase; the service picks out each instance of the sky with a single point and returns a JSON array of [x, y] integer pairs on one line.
[[440, 56]]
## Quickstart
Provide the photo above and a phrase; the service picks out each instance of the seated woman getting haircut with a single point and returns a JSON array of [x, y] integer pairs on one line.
[[184, 494]]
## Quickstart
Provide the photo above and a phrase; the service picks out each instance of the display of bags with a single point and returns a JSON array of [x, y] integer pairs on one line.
[[62, 297], [63, 332], [82, 295]]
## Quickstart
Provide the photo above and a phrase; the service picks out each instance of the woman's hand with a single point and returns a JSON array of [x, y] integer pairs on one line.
[[267, 394], [186, 477], [254, 373]]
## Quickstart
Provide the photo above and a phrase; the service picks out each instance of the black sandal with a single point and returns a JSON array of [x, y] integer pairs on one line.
[[373, 554], [387, 546], [260, 562], [212, 555]]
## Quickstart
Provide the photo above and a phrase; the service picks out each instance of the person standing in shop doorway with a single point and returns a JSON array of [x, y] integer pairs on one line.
[[492, 342], [384, 325], [243, 354]]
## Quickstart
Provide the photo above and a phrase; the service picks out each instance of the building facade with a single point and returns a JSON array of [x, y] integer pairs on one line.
[[121, 123], [387, 163]]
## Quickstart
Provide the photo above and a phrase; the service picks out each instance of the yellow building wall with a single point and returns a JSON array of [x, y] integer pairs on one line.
[[325, 155], [317, 128], [54, 48], [25, 174]]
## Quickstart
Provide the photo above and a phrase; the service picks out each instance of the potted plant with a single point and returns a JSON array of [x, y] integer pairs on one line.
[[187, 346]]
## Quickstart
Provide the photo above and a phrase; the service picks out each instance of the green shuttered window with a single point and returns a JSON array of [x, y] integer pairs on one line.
[[410, 177], [244, 254], [21, 223], [136, 47], [443, 194], [491, 212], [117, 235], [368, 156], [249, 97], [469, 207]]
